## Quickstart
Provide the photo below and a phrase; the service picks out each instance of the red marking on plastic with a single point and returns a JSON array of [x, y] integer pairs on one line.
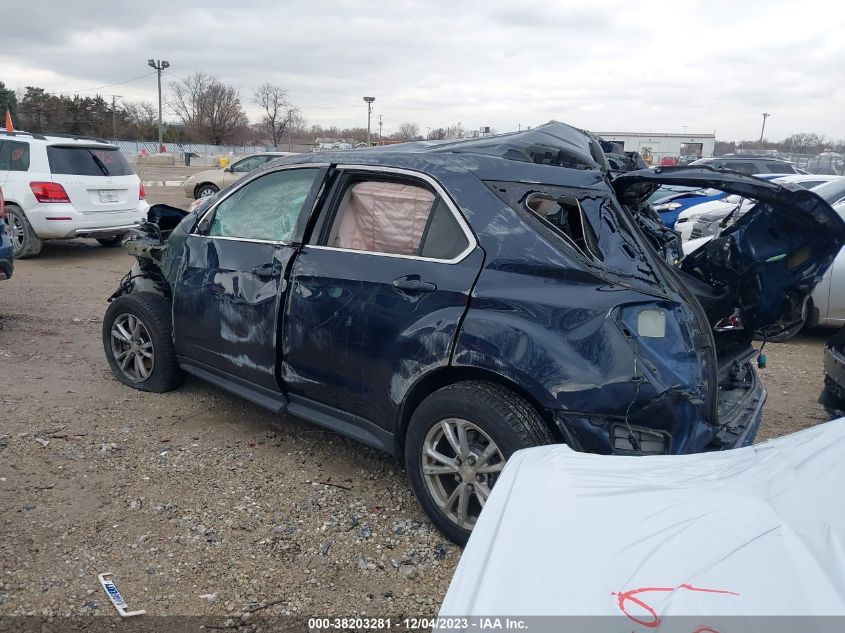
[[654, 621], [17, 154]]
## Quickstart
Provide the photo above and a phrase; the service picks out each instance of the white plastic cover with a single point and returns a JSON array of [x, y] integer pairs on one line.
[[756, 531]]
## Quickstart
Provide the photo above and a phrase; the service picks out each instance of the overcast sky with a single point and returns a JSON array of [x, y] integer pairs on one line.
[[605, 66]]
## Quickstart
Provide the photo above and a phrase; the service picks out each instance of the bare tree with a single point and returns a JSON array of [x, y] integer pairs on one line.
[[141, 113], [279, 114], [437, 134], [801, 142], [223, 113], [209, 109], [408, 132]]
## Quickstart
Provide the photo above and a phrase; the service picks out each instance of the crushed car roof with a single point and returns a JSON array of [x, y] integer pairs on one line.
[[553, 144]]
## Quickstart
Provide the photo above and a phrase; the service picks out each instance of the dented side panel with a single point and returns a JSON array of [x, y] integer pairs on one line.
[[355, 342], [226, 305]]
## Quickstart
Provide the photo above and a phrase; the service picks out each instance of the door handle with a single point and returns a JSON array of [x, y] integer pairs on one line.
[[413, 283]]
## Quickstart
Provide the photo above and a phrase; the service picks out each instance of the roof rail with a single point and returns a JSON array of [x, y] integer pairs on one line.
[[40, 137], [77, 137]]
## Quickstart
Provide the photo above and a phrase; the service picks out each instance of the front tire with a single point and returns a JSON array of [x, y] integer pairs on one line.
[[458, 441], [25, 243], [205, 190], [137, 340]]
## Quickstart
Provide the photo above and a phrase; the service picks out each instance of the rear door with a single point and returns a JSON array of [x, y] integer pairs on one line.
[[232, 280], [378, 293], [97, 178]]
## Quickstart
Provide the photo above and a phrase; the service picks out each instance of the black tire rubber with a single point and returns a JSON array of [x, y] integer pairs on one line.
[[153, 310], [111, 242], [31, 242], [206, 185], [510, 421]]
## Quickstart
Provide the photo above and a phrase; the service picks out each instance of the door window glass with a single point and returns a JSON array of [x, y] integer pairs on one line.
[[396, 218], [780, 168], [266, 208], [248, 164], [742, 167]]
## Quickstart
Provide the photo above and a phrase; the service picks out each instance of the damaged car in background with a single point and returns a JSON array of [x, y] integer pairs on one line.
[[453, 302]]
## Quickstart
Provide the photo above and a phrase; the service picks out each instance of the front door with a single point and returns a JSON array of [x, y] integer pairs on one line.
[[377, 296], [232, 279]]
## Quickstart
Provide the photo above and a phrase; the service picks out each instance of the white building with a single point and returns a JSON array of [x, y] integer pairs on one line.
[[662, 146]]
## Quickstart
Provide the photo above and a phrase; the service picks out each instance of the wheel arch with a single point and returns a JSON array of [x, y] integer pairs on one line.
[[444, 376]]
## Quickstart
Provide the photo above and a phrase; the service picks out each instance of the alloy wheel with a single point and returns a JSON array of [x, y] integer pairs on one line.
[[460, 464], [16, 231], [132, 347]]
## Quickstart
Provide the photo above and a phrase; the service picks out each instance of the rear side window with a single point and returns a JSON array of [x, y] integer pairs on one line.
[[14, 156], [565, 215], [396, 218], [87, 161]]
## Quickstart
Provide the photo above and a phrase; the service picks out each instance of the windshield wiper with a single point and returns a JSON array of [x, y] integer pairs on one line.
[[100, 163]]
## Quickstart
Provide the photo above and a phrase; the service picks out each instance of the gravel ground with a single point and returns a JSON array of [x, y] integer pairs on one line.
[[201, 503]]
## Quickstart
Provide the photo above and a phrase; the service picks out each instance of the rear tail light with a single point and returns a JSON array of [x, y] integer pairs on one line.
[[142, 195], [48, 192]]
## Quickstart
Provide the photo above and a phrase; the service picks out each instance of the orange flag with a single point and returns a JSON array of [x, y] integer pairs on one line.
[[9, 127]]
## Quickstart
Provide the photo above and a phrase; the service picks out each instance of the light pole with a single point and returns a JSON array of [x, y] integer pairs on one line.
[[369, 101], [766, 115], [159, 65]]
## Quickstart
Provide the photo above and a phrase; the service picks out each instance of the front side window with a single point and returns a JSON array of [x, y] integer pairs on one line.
[[266, 208], [248, 164], [14, 156], [398, 219]]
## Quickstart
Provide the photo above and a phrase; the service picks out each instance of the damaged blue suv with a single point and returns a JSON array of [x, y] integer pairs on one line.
[[453, 302]]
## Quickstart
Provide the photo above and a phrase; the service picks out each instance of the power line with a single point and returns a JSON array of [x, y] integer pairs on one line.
[[119, 83]]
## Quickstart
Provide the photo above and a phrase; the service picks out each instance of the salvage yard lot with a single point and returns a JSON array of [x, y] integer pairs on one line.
[[201, 503]]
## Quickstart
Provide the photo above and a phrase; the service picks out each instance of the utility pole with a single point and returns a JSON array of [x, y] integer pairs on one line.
[[290, 127], [159, 65], [369, 101], [114, 115], [766, 115], [380, 123]]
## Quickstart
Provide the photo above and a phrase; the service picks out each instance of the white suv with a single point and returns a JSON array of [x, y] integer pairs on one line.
[[66, 186]]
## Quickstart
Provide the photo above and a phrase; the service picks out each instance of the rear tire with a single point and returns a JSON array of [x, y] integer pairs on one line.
[[137, 339], [111, 242], [457, 443], [25, 243], [205, 190]]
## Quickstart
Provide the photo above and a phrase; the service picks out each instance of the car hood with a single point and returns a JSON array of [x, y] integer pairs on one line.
[[771, 259]]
